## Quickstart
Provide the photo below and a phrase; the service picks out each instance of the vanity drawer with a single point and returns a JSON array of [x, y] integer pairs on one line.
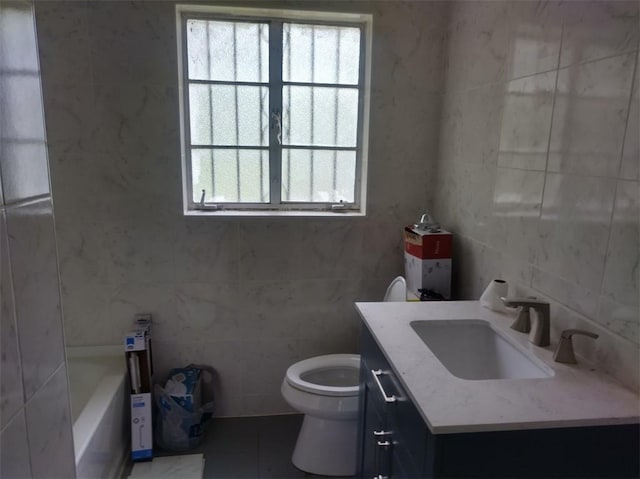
[[399, 417]]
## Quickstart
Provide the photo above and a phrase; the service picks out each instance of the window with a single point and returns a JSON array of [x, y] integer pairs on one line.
[[274, 109]]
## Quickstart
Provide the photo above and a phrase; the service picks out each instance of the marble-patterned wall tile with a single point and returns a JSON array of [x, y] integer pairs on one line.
[[11, 394], [589, 116], [595, 30], [630, 167], [37, 298], [129, 299], [140, 251], [478, 44], [382, 253], [145, 30], [569, 293], [87, 317], [207, 312], [574, 227], [275, 250], [517, 199], [526, 122], [621, 281], [264, 370], [63, 42], [74, 126], [82, 249], [51, 454], [550, 230], [481, 115], [14, 453], [206, 250], [140, 119], [534, 37]]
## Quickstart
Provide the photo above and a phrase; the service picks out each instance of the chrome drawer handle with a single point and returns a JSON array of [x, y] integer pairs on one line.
[[376, 375]]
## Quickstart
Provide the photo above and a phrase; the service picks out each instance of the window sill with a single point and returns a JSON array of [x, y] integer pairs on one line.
[[274, 214]]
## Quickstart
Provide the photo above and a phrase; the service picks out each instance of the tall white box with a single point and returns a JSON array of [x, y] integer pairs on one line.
[[137, 345], [428, 261]]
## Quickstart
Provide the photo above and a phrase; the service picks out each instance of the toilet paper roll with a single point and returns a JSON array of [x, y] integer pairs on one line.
[[490, 299]]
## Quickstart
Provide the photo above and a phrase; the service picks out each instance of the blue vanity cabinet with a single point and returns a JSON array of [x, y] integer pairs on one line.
[[393, 436], [395, 442]]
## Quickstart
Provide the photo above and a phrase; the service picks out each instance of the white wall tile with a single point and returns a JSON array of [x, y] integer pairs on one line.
[[63, 42], [595, 30], [526, 122], [621, 282], [553, 230], [574, 227], [14, 453], [590, 111], [145, 30], [51, 454], [11, 393], [630, 168], [35, 280], [535, 31], [515, 212]]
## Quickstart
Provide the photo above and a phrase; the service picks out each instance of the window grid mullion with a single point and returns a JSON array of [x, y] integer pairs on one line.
[[210, 98], [334, 182], [312, 99], [289, 116], [259, 47], [275, 111]]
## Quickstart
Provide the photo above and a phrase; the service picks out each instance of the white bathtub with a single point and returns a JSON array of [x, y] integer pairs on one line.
[[100, 410]]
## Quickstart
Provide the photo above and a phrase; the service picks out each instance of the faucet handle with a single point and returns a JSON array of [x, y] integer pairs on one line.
[[564, 352], [531, 302], [567, 333]]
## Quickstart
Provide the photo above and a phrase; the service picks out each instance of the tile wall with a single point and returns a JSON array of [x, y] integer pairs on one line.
[[538, 171], [35, 420], [247, 296]]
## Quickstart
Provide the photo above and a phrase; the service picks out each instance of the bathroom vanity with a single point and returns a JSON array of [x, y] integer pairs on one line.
[[421, 415]]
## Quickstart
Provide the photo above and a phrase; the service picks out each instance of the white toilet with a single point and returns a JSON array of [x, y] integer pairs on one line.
[[325, 389]]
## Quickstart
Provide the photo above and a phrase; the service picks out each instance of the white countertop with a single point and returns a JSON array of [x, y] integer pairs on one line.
[[577, 395]]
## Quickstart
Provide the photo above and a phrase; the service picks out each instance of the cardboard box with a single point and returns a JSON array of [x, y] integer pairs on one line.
[[428, 260], [141, 427], [137, 345]]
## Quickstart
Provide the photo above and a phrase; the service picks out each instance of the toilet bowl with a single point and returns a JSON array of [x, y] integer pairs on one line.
[[325, 389]]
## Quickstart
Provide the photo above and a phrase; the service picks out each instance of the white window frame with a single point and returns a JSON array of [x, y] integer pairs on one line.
[[358, 207]]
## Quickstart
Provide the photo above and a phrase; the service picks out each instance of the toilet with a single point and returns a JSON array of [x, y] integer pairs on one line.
[[325, 389]]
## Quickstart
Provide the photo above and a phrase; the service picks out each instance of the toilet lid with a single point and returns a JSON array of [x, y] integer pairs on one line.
[[329, 375]]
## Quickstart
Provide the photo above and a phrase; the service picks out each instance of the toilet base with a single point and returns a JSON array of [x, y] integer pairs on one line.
[[326, 447]]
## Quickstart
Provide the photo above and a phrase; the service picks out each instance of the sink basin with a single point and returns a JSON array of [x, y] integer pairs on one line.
[[472, 349]]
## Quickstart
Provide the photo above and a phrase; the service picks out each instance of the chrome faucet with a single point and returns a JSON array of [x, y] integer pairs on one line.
[[539, 329], [564, 351]]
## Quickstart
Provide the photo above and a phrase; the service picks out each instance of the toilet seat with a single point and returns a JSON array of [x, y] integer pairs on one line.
[[340, 366]]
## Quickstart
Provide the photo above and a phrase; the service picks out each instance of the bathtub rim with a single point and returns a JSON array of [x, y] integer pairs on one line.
[[84, 427]]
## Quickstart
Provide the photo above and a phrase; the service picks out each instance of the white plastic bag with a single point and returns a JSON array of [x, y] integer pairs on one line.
[[176, 428]]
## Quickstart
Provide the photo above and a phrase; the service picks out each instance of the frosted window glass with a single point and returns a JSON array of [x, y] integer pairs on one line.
[[320, 116], [321, 54], [318, 176], [230, 176], [229, 115], [228, 51], [201, 174]]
